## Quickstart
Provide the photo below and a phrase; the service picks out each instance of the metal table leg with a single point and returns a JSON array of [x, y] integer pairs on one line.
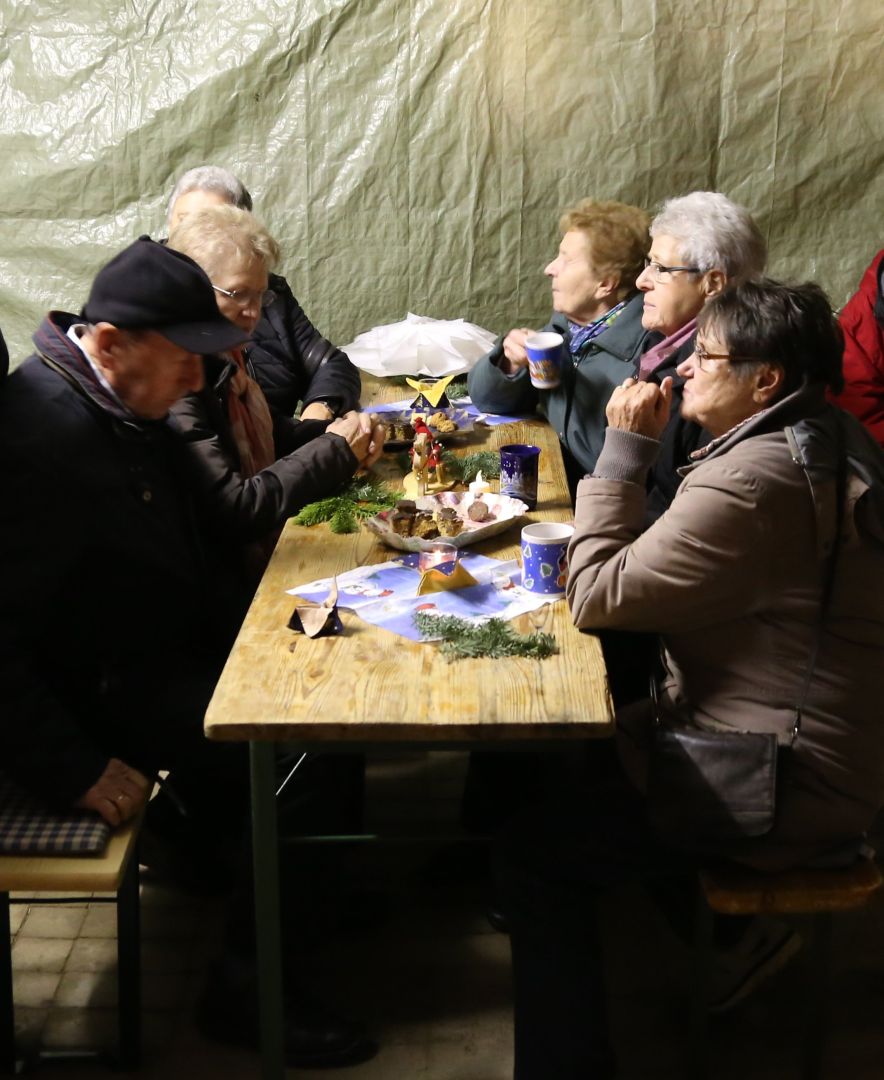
[[265, 854]]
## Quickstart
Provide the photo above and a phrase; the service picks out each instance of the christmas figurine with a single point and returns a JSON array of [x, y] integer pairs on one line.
[[420, 453]]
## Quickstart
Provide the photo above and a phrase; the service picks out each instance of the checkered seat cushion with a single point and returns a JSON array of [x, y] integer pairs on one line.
[[29, 827]]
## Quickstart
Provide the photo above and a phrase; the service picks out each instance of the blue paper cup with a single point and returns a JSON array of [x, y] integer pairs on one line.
[[518, 472], [545, 352], [545, 557]]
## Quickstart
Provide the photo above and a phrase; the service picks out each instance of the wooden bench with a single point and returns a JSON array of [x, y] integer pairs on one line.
[[732, 890], [116, 872]]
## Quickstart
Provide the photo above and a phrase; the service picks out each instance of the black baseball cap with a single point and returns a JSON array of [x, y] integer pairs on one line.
[[148, 286]]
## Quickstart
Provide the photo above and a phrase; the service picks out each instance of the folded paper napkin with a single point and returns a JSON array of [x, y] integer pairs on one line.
[[318, 620], [434, 580], [420, 346]]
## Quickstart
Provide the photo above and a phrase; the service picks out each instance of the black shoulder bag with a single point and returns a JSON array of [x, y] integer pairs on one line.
[[709, 787]]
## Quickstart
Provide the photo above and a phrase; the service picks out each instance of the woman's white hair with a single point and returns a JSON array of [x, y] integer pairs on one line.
[[714, 233], [213, 235], [211, 178]]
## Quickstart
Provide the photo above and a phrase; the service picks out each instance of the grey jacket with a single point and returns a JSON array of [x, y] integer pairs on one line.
[[730, 577], [576, 408]]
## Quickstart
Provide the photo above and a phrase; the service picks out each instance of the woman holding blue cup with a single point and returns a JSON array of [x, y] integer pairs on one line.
[[592, 342]]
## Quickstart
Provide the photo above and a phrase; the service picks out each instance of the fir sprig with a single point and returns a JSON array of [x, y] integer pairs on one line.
[[486, 462], [494, 638], [457, 390], [465, 469], [360, 498]]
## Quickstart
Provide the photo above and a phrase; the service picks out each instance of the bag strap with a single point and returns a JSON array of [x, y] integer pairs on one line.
[[827, 587], [831, 561]]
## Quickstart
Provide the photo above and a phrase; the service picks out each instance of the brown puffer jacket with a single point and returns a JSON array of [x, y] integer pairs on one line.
[[730, 577]]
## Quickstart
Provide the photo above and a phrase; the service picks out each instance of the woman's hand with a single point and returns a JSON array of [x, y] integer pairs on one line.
[[640, 407], [364, 435], [514, 356]]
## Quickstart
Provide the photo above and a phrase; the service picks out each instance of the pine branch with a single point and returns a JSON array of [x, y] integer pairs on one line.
[[358, 499], [494, 638]]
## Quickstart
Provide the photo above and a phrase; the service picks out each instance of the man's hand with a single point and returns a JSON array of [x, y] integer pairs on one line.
[[117, 794], [514, 356], [364, 435], [641, 407]]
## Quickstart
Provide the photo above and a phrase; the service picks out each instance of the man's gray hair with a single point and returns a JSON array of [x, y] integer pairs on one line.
[[714, 233], [215, 179]]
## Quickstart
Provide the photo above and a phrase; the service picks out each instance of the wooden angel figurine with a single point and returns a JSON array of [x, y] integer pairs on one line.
[[420, 453]]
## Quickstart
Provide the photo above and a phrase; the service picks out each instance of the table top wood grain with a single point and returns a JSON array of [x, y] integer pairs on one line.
[[369, 685]]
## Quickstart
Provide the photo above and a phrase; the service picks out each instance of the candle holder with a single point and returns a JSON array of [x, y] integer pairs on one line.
[[438, 556]]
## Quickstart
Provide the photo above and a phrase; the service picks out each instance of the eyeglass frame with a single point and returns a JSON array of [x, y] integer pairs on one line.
[[702, 356], [265, 298], [661, 269]]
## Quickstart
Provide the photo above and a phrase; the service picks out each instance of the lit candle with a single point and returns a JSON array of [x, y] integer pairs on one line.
[[437, 554], [479, 487]]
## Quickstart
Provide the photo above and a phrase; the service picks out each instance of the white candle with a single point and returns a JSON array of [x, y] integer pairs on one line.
[[479, 487]]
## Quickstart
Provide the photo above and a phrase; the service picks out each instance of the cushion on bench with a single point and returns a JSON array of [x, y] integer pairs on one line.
[[29, 827]]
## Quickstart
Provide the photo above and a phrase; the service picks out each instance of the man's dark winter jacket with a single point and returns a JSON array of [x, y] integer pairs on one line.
[[113, 625]]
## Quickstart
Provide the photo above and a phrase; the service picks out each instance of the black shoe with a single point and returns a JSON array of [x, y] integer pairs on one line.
[[314, 1037]]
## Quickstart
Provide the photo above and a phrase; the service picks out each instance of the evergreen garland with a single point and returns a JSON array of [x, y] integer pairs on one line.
[[360, 498], [494, 638]]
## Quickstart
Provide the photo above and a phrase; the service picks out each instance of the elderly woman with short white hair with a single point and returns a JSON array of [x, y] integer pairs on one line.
[[292, 361], [253, 467], [701, 244]]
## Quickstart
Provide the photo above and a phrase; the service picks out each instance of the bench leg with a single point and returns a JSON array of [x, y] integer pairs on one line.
[[7, 1006], [129, 967], [697, 1051], [817, 1012]]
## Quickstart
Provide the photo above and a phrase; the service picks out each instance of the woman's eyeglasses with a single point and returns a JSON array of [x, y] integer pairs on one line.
[[662, 273], [245, 297], [702, 357]]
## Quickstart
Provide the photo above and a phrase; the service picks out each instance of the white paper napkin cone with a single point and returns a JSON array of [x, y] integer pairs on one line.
[[420, 345]]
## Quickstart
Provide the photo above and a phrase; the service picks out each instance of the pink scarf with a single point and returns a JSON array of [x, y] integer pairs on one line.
[[661, 352]]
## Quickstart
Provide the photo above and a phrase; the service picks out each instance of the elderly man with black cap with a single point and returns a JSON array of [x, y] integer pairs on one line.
[[107, 626], [114, 623]]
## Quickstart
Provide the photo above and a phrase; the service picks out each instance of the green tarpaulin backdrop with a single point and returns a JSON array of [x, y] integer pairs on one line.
[[415, 154]]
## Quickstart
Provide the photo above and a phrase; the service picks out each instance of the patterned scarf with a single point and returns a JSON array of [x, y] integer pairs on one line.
[[250, 419], [579, 335]]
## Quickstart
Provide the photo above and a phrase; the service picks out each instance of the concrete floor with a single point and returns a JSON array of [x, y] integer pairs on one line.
[[432, 981]]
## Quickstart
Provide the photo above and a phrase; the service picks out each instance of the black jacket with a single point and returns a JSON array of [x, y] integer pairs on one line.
[[293, 362], [311, 463], [114, 624]]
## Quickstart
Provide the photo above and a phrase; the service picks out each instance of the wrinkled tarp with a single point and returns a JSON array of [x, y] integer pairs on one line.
[[417, 155]]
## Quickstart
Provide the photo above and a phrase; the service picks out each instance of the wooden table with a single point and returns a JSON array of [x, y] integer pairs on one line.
[[369, 686]]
